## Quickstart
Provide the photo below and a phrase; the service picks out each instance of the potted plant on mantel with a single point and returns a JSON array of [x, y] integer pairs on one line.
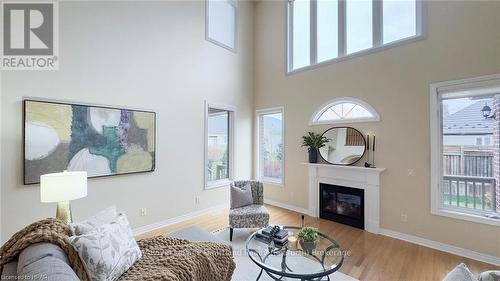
[[308, 238], [314, 142]]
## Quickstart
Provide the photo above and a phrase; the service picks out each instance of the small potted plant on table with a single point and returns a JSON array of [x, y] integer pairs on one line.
[[308, 238], [313, 142]]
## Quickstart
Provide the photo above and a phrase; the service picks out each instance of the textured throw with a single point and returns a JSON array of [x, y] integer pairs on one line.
[[163, 258], [48, 230], [172, 259]]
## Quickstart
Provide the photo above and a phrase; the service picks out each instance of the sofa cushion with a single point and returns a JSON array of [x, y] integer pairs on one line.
[[109, 251], [9, 271], [39, 251], [90, 224], [48, 268], [241, 196], [460, 272]]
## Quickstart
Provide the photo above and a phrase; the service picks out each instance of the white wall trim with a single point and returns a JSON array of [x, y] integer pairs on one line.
[[161, 224], [288, 207], [410, 238], [441, 247], [386, 232]]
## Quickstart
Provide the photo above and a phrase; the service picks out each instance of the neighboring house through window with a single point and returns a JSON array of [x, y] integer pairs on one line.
[[270, 136], [219, 145], [465, 149]]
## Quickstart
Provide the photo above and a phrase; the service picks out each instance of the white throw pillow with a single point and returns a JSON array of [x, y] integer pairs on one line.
[[460, 273], [108, 251], [101, 218]]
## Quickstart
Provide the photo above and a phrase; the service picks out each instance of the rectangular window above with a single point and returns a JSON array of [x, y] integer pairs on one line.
[[325, 31], [270, 145], [221, 19], [465, 167], [359, 25], [219, 139]]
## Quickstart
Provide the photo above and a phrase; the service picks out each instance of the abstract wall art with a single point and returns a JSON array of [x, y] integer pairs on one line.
[[103, 141]]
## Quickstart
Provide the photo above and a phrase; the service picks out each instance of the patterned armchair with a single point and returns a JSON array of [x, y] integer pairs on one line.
[[250, 216]]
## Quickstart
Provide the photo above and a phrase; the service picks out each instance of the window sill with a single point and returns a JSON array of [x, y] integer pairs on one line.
[[271, 181], [360, 53], [466, 217], [217, 184]]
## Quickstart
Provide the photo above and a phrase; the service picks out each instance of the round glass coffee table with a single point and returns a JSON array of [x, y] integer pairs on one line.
[[292, 261]]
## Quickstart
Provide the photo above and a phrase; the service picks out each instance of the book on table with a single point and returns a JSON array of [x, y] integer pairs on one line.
[[280, 238], [280, 234]]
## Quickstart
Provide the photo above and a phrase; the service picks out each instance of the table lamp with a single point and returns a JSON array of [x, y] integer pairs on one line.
[[62, 187]]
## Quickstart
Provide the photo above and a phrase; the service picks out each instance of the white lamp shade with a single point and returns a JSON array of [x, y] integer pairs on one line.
[[65, 186]]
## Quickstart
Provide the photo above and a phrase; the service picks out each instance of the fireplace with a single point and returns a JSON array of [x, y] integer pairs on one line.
[[342, 204]]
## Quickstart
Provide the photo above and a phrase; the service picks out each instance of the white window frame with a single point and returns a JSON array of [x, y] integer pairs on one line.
[[231, 138], [466, 87], [234, 48], [324, 107], [258, 164], [377, 31]]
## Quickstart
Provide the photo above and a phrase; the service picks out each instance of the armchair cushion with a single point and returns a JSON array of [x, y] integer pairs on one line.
[[241, 196], [250, 216]]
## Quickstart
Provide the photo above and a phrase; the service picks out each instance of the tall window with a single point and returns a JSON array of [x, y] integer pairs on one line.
[[270, 145], [466, 167], [219, 145], [220, 23], [329, 30]]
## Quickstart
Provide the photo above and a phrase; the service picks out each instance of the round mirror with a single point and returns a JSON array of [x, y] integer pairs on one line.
[[345, 146]]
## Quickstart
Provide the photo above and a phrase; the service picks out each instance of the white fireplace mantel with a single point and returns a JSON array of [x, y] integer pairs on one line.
[[367, 179]]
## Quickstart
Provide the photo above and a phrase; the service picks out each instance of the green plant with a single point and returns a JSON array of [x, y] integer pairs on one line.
[[314, 141], [308, 234]]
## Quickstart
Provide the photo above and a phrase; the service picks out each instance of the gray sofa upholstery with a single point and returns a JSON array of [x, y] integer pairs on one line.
[[45, 261], [9, 271], [40, 261]]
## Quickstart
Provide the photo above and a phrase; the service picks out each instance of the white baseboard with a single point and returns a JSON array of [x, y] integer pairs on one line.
[[288, 207], [386, 232], [442, 247], [158, 225], [410, 238]]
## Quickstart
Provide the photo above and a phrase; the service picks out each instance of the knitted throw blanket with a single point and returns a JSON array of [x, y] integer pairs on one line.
[[48, 230], [172, 259], [163, 258]]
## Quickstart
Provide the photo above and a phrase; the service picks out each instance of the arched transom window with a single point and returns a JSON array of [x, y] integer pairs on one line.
[[344, 110]]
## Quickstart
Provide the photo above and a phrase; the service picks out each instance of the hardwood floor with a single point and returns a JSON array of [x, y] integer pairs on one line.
[[372, 257]]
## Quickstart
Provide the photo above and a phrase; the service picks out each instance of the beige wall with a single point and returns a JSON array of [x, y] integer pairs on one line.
[[151, 55], [462, 41]]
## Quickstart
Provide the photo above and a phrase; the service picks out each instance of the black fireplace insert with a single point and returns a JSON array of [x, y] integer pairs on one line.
[[342, 204]]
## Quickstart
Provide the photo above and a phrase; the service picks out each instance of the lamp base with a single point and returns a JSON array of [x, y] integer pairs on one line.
[[64, 212]]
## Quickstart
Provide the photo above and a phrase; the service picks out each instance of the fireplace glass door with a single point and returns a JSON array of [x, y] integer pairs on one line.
[[342, 204]]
